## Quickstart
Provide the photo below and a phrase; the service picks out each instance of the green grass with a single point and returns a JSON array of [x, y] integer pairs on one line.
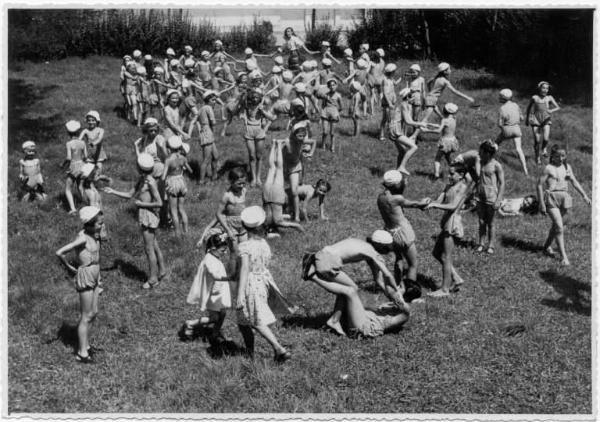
[[453, 356]]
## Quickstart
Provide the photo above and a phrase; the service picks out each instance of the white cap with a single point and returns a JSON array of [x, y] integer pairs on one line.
[[415, 67], [459, 159], [347, 52], [73, 125], [137, 53], [325, 43], [365, 46], [94, 114], [87, 213], [174, 62], [150, 121], [248, 50], [313, 63], [278, 60], [141, 70], [297, 102], [451, 108], [443, 66], [390, 67], [159, 69], [204, 53], [326, 62], [542, 83], [171, 92], [28, 144], [356, 85], [382, 237], [276, 69], [380, 52], [392, 177], [127, 57], [361, 64], [87, 169], [145, 161], [287, 75], [253, 217], [405, 92], [218, 42], [188, 48], [147, 57], [186, 146], [217, 69], [300, 87], [300, 125], [174, 142], [305, 65], [189, 63], [255, 74], [170, 52], [209, 93], [506, 94]]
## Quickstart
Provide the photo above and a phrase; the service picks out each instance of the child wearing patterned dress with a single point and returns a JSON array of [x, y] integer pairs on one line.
[[450, 200], [30, 174], [87, 277], [148, 202], [207, 122], [539, 117], [175, 187], [255, 286], [448, 142], [232, 204], [93, 137], [554, 198], [76, 154]]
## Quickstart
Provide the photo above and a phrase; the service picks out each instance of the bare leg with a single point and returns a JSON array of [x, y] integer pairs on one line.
[[268, 335], [69, 194], [537, 143], [149, 240], [86, 307], [406, 147], [354, 306], [252, 160], [294, 179], [174, 214], [519, 149], [182, 213], [558, 228]]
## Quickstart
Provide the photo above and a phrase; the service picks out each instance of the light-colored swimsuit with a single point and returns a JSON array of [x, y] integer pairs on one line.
[[88, 271]]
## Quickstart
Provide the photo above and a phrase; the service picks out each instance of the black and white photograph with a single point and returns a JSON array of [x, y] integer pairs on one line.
[[267, 211]]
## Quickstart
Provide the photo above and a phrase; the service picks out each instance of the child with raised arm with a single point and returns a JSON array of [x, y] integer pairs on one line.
[[491, 192], [326, 265], [76, 154], [539, 117], [450, 201], [391, 203], [30, 174], [293, 167], [509, 118], [330, 112], [555, 199], [436, 87], [447, 143], [307, 193], [148, 202], [174, 182], [87, 276]]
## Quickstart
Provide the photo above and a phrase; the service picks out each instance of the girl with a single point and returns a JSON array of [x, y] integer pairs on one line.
[[539, 117], [207, 123], [274, 191], [148, 201], [144, 91], [447, 143], [417, 88], [232, 204], [307, 100], [175, 77], [508, 121], [93, 137], [491, 191], [203, 67], [518, 206], [293, 44], [220, 57], [91, 196], [554, 198], [214, 287], [436, 87], [375, 77], [76, 154], [450, 201], [233, 103], [123, 85], [167, 63], [255, 284], [360, 75], [187, 54], [326, 52], [131, 91], [154, 144], [306, 193], [172, 117], [330, 112], [174, 182], [87, 273], [349, 60], [356, 100], [30, 174], [159, 88], [388, 98]]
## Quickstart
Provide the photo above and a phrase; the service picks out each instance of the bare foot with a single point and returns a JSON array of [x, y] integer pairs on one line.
[[549, 251], [438, 293], [403, 170], [337, 327], [565, 262]]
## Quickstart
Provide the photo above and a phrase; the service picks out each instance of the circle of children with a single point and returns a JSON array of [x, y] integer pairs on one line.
[[234, 273]]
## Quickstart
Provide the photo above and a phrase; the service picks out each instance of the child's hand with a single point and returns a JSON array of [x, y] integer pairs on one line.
[[587, 200], [108, 190], [138, 203], [497, 205], [542, 209], [425, 202]]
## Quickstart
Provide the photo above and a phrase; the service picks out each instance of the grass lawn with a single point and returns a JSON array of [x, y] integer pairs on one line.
[[454, 355]]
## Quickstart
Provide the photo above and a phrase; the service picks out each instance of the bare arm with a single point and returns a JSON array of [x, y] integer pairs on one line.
[[61, 253], [528, 112], [222, 218], [540, 191], [460, 94], [501, 185], [120, 194], [552, 102], [244, 269], [578, 188]]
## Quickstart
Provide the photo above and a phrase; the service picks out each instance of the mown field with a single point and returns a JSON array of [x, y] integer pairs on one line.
[[455, 355]]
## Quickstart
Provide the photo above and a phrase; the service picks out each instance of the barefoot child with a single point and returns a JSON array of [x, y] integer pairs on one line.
[[93, 137], [508, 121], [518, 206], [306, 193], [174, 183], [450, 201], [148, 202], [539, 117], [555, 200], [330, 112], [232, 204], [87, 273], [391, 203], [418, 90], [30, 174], [326, 265], [76, 154], [293, 167], [91, 196], [357, 98], [447, 143], [208, 122], [436, 87], [491, 192]]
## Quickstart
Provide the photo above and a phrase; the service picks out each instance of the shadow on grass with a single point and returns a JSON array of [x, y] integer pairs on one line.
[[586, 149], [314, 322], [376, 171], [67, 334], [524, 245], [129, 270], [218, 347], [571, 291]]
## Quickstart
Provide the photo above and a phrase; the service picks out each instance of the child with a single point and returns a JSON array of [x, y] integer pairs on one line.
[[207, 123], [306, 193], [349, 61], [131, 90], [172, 117], [518, 206], [391, 203], [357, 98], [447, 143], [255, 284], [214, 288], [326, 52], [292, 155], [417, 88], [330, 112], [175, 187], [539, 117], [471, 161], [91, 196], [148, 201], [232, 204], [144, 91], [87, 277], [360, 75], [436, 87], [274, 191], [326, 265], [93, 136], [555, 200], [375, 78], [508, 121], [30, 174], [76, 154], [388, 99], [450, 200], [491, 192]]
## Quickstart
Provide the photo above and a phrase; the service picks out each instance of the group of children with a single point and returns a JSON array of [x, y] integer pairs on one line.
[[234, 272]]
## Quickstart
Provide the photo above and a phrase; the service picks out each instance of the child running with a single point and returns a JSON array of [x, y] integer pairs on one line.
[[174, 182], [448, 142], [436, 87], [539, 117], [450, 200], [30, 174], [306, 193], [93, 137], [148, 201], [508, 121], [87, 277], [76, 154], [554, 198]]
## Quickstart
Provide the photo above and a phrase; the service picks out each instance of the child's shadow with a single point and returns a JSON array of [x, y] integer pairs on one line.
[[220, 348], [524, 245], [120, 112], [314, 322], [376, 171], [571, 291], [129, 270], [67, 334]]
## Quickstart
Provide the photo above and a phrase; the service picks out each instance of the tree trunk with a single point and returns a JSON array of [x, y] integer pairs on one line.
[[426, 36], [313, 19]]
